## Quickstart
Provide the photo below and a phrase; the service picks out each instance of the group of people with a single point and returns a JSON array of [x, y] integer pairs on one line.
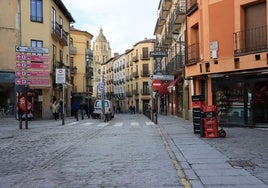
[[132, 109]]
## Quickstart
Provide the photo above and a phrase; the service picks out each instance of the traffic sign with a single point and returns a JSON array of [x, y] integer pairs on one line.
[[161, 77], [157, 84], [60, 76], [101, 86], [31, 49]]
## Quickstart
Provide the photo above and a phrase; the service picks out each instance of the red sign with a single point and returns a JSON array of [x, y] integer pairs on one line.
[[31, 65], [39, 58], [20, 73], [157, 84], [25, 81], [39, 66]]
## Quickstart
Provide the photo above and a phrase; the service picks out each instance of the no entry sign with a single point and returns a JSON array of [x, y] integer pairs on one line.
[[157, 84]]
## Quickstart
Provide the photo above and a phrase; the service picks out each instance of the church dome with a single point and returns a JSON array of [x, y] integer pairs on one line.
[[101, 37]]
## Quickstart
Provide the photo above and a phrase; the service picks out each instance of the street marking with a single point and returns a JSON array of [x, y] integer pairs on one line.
[[118, 125], [149, 123], [73, 123], [87, 123], [134, 124], [102, 124]]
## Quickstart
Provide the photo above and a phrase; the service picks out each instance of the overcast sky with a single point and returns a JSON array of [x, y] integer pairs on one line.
[[124, 22]]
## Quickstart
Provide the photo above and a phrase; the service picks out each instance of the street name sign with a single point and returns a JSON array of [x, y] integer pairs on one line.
[[30, 49], [158, 54], [161, 77]]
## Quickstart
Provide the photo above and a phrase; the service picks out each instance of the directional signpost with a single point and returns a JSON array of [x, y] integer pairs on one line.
[[25, 61]]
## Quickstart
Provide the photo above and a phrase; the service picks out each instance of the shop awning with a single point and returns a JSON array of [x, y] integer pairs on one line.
[[174, 82], [164, 89]]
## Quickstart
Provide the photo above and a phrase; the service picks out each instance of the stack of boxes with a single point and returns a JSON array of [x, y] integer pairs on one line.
[[210, 121], [197, 103]]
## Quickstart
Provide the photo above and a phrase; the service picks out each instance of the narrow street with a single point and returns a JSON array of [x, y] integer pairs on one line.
[[128, 151]]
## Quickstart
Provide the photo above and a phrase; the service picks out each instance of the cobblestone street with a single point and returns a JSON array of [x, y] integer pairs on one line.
[[129, 151]]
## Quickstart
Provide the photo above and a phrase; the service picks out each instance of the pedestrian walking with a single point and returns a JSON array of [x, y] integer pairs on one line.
[[75, 107]]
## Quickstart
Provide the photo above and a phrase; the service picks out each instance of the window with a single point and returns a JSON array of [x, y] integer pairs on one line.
[[71, 42], [37, 43], [53, 20], [145, 68], [36, 10], [145, 53]]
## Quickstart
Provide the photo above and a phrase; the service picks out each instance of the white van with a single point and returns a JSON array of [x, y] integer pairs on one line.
[[108, 106]]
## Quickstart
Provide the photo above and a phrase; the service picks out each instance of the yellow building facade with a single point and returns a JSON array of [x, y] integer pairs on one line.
[[81, 65], [44, 27]]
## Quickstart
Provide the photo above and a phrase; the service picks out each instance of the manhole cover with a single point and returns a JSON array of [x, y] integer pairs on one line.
[[241, 163]]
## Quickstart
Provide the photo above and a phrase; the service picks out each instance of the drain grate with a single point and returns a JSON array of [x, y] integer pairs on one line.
[[241, 163]]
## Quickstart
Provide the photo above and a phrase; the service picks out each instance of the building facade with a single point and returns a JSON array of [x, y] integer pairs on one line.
[[9, 38], [81, 65], [43, 26], [227, 58], [170, 32], [139, 67]]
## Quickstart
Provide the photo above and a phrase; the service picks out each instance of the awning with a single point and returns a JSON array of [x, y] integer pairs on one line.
[[174, 82], [164, 89]]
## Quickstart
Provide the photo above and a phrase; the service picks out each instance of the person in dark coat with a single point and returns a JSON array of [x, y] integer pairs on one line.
[[75, 108]]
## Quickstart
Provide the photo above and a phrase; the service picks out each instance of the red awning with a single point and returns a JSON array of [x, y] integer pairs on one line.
[[164, 89], [174, 82]]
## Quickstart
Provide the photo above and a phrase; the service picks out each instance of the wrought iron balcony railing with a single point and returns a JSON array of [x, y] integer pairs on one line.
[[250, 41]]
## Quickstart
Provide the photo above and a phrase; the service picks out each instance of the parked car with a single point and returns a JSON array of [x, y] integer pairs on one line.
[[108, 109]]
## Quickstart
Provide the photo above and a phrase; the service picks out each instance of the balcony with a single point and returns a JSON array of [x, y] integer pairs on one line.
[[73, 50], [250, 41], [135, 74], [193, 54], [191, 7], [175, 64], [158, 27], [145, 73], [135, 58], [179, 15], [73, 70], [144, 57], [129, 94], [145, 91], [59, 34]]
